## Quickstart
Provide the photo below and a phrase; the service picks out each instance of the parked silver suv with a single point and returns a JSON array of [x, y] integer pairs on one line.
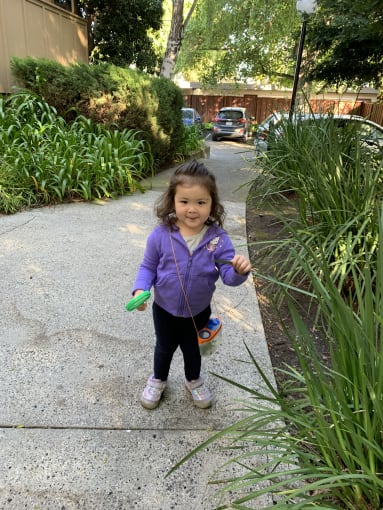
[[232, 122]]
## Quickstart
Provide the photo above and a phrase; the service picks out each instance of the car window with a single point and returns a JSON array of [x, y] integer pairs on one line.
[[230, 115], [370, 132], [187, 114], [370, 136], [363, 129]]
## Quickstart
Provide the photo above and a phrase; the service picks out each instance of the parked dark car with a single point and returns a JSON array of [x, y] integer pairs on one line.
[[370, 133], [232, 122], [190, 116]]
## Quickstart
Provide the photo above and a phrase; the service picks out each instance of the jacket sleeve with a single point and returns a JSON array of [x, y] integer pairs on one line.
[[227, 273], [147, 272]]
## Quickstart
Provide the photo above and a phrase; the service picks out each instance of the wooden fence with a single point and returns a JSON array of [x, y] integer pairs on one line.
[[372, 111], [261, 107]]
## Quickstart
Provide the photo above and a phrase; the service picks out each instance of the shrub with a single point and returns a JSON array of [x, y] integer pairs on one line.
[[65, 88], [112, 96], [192, 140]]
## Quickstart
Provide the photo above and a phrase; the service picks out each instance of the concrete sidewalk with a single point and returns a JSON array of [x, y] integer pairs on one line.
[[73, 434]]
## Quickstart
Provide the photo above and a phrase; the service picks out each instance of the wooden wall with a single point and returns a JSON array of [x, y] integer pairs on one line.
[[39, 28]]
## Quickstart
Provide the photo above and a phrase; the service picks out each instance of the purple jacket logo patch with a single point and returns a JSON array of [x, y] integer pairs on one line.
[[212, 246]]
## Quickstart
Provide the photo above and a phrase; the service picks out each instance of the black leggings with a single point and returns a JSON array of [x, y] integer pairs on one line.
[[172, 332]]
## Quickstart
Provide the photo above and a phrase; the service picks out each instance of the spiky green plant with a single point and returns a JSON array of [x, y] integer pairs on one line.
[[336, 182], [192, 141], [53, 161]]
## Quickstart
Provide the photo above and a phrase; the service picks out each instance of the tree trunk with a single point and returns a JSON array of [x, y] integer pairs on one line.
[[177, 28]]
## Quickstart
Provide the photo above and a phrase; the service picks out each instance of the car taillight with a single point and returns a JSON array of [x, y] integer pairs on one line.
[[242, 120], [217, 119]]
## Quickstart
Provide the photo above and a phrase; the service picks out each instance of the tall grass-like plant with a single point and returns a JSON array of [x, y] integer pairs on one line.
[[45, 160], [192, 141], [336, 182], [323, 437]]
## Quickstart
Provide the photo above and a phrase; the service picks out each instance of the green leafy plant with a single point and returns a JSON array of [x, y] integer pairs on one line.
[[45, 160], [333, 183], [192, 141]]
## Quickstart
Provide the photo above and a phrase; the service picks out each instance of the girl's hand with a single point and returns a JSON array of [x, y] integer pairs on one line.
[[142, 307], [240, 264]]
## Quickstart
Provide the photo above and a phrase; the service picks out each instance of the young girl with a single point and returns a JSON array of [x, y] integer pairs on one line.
[[181, 262]]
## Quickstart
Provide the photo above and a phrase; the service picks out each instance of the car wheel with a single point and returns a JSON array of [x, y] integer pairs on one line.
[[214, 138]]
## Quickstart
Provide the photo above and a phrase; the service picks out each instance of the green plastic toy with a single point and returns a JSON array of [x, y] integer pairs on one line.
[[138, 300]]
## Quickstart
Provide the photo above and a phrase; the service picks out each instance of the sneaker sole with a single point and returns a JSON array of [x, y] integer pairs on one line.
[[149, 405]]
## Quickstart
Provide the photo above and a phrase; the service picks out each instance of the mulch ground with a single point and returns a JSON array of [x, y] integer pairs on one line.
[[262, 225]]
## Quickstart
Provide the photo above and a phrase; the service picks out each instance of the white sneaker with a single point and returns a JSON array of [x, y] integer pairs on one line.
[[152, 393], [200, 393]]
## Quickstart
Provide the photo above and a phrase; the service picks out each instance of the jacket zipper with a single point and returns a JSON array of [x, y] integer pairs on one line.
[[183, 305]]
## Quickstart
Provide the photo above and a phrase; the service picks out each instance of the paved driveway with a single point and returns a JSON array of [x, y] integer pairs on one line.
[[73, 434]]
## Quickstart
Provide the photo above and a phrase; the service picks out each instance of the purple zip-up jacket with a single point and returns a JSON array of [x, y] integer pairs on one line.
[[198, 272]]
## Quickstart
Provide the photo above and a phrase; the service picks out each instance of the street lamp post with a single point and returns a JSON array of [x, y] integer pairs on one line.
[[305, 8]]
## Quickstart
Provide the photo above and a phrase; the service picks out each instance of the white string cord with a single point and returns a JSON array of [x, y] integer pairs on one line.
[[181, 284]]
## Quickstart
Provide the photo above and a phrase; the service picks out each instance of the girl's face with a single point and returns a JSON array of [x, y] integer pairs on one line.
[[192, 203]]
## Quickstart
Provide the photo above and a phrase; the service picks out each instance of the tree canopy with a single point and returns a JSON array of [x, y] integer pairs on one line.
[[345, 38], [239, 39], [119, 30]]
